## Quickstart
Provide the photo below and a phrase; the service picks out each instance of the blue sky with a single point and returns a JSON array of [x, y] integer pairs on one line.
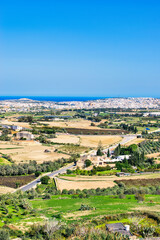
[[80, 48]]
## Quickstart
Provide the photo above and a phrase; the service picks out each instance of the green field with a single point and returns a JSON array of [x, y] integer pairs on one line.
[[4, 161], [68, 207], [140, 129]]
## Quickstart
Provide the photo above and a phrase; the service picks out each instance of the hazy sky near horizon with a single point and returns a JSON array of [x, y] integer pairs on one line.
[[80, 47]]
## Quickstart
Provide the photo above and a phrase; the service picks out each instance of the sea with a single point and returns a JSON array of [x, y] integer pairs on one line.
[[59, 98], [53, 99]]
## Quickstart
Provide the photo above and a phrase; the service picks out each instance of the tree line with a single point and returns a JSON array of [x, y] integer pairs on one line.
[[33, 167]]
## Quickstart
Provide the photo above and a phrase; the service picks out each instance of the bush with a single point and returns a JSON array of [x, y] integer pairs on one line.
[[47, 196], [87, 163], [37, 173], [140, 197], [45, 179], [122, 196], [69, 171], [85, 207], [4, 234]]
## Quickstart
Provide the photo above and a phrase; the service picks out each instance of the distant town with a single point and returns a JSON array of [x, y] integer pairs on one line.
[[28, 105]]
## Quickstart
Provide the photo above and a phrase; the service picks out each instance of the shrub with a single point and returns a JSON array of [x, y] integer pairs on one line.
[[45, 179], [37, 173], [87, 163], [140, 197], [47, 196], [4, 234], [122, 196]]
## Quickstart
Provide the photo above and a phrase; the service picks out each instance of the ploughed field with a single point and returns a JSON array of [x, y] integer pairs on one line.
[[140, 182], [16, 181], [85, 131]]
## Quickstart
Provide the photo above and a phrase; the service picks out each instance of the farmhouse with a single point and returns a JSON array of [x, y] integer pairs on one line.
[[96, 160], [26, 135], [121, 174], [6, 126], [119, 227], [16, 128]]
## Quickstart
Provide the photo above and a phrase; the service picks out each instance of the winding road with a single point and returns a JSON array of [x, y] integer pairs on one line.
[[36, 181], [126, 138]]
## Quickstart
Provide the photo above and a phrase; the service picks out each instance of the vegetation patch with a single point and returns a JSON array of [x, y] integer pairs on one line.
[[16, 181], [72, 149], [4, 161], [81, 131], [149, 147], [140, 182]]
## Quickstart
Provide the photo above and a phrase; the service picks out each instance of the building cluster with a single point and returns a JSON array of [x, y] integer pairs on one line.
[[20, 132], [100, 161], [152, 114], [27, 105]]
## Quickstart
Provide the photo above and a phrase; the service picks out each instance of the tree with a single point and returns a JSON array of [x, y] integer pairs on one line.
[[45, 179], [108, 153], [99, 150], [87, 163], [117, 150], [37, 173], [50, 227], [135, 130], [17, 184]]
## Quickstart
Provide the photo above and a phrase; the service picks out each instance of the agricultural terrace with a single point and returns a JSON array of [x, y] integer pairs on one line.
[[68, 207], [88, 182], [134, 141], [87, 141], [22, 151], [149, 147], [4, 190], [73, 123]]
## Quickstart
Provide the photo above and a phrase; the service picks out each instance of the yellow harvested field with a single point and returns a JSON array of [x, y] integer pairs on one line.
[[111, 178], [154, 155], [4, 190], [155, 208], [92, 141], [134, 141], [87, 182], [76, 214], [65, 184], [65, 138], [74, 123], [21, 124], [25, 151], [87, 140]]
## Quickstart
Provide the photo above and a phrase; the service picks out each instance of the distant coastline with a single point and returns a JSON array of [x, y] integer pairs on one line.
[[52, 99], [58, 99]]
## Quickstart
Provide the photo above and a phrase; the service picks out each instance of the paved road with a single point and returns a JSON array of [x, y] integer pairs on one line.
[[126, 138], [36, 181]]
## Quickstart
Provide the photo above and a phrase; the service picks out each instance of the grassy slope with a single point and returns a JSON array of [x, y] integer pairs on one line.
[[3, 161], [103, 205]]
